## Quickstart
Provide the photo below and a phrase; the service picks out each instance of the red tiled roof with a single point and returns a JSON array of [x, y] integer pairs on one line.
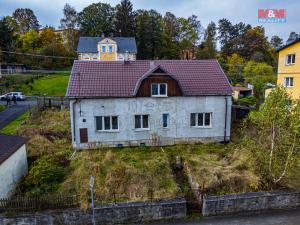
[[118, 79]]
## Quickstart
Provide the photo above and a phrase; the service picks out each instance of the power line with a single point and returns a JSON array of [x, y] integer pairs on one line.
[[37, 55], [63, 57]]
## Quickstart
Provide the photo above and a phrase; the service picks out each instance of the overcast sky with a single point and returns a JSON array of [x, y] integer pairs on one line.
[[49, 12]]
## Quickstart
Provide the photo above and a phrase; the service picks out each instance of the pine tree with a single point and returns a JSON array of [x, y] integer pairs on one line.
[[125, 19]]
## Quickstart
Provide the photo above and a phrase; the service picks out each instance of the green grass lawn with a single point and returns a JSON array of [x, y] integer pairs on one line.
[[49, 85]]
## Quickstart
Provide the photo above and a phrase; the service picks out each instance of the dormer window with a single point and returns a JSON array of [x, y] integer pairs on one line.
[[159, 90], [103, 48], [110, 48], [290, 59]]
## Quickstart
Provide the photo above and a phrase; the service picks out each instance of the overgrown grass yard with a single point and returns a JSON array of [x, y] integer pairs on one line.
[[120, 174], [219, 168], [128, 174], [48, 85]]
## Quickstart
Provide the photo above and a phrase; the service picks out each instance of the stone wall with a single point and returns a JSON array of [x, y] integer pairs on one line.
[[250, 202], [107, 214]]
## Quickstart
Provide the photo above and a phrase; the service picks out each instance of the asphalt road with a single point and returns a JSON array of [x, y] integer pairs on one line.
[[14, 111], [291, 217]]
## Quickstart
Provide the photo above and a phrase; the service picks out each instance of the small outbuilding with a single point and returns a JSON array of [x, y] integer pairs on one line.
[[241, 92], [13, 162]]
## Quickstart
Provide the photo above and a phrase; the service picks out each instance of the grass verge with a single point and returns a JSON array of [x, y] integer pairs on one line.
[[2, 107], [14, 125]]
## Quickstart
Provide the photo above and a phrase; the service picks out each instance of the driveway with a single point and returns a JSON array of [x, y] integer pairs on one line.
[[291, 217], [14, 111]]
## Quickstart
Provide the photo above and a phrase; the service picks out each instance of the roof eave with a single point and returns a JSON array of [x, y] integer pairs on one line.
[[287, 45], [131, 96]]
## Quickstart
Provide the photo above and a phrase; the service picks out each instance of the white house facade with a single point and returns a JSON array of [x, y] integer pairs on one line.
[[13, 163], [148, 103]]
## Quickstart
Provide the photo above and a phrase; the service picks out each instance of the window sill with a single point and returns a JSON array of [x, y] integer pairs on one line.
[[288, 86], [108, 131], [159, 96], [141, 129], [207, 127], [290, 64]]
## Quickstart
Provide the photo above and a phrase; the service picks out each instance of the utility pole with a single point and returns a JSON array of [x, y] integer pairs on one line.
[[92, 180]]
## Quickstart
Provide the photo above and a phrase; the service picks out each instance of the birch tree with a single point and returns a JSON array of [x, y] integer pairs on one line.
[[273, 135]]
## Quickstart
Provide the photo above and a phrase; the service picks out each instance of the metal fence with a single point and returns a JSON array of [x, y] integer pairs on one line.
[[50, 102], [37, 203]]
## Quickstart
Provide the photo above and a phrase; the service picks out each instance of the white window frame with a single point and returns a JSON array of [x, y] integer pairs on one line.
[[196, 120], [158, 90], [288, 81], [141, 122], [103, 124], [291, 62]]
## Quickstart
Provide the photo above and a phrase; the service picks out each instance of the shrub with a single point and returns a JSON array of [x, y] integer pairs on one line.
[[250, 100], [45, 175]]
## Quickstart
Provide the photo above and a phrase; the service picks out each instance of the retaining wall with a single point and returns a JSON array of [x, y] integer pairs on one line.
[[107, 214], [250, 202]]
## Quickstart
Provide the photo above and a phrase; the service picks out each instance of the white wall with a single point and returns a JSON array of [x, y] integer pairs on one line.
[[131, 56], [88, 56], [12, 170], [178, 108]]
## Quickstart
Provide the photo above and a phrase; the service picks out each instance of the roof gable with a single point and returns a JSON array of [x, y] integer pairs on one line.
[[153, 69], [107, 40], [98, 79]]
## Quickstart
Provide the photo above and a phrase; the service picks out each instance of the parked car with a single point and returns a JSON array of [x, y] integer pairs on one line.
[[19, 95]]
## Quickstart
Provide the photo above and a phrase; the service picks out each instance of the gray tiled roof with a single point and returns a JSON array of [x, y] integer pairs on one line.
[[96, 79], [9, 144], [89, 44], [288, 44]]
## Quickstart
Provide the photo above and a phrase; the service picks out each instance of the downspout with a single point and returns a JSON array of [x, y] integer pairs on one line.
[[225, 125], [73, 118]]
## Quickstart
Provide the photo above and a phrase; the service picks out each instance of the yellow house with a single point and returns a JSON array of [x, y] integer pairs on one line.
[[289, 65], [107, 48]]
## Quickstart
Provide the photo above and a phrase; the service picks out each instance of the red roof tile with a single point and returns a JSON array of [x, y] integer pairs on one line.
[[119, 79]]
